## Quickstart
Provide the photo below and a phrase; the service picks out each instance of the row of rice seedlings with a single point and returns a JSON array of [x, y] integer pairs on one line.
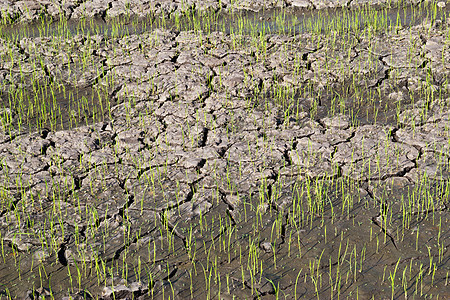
[[242, 24], [314, 207], [40, 103], [354, 89]]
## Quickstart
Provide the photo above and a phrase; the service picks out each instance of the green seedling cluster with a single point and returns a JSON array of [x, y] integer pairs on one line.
[[34, 94]]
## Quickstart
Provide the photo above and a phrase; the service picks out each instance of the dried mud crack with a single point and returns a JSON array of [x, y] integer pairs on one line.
[[184, 160]]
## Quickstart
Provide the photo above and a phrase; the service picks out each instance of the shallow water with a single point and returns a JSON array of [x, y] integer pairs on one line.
[[274, 21]]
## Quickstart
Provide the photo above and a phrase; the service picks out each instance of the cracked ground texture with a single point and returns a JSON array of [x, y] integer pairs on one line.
[[197, 170]]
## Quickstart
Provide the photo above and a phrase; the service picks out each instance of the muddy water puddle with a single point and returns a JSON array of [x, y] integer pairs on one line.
[[67, 107], [275, 21]]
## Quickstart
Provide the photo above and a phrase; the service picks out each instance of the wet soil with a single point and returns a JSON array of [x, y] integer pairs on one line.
[[272, 21], [69, 107]]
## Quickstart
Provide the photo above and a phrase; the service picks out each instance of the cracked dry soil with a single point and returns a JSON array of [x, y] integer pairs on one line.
[[197, 183]]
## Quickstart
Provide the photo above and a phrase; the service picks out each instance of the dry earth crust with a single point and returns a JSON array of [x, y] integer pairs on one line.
[[190, 159]]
